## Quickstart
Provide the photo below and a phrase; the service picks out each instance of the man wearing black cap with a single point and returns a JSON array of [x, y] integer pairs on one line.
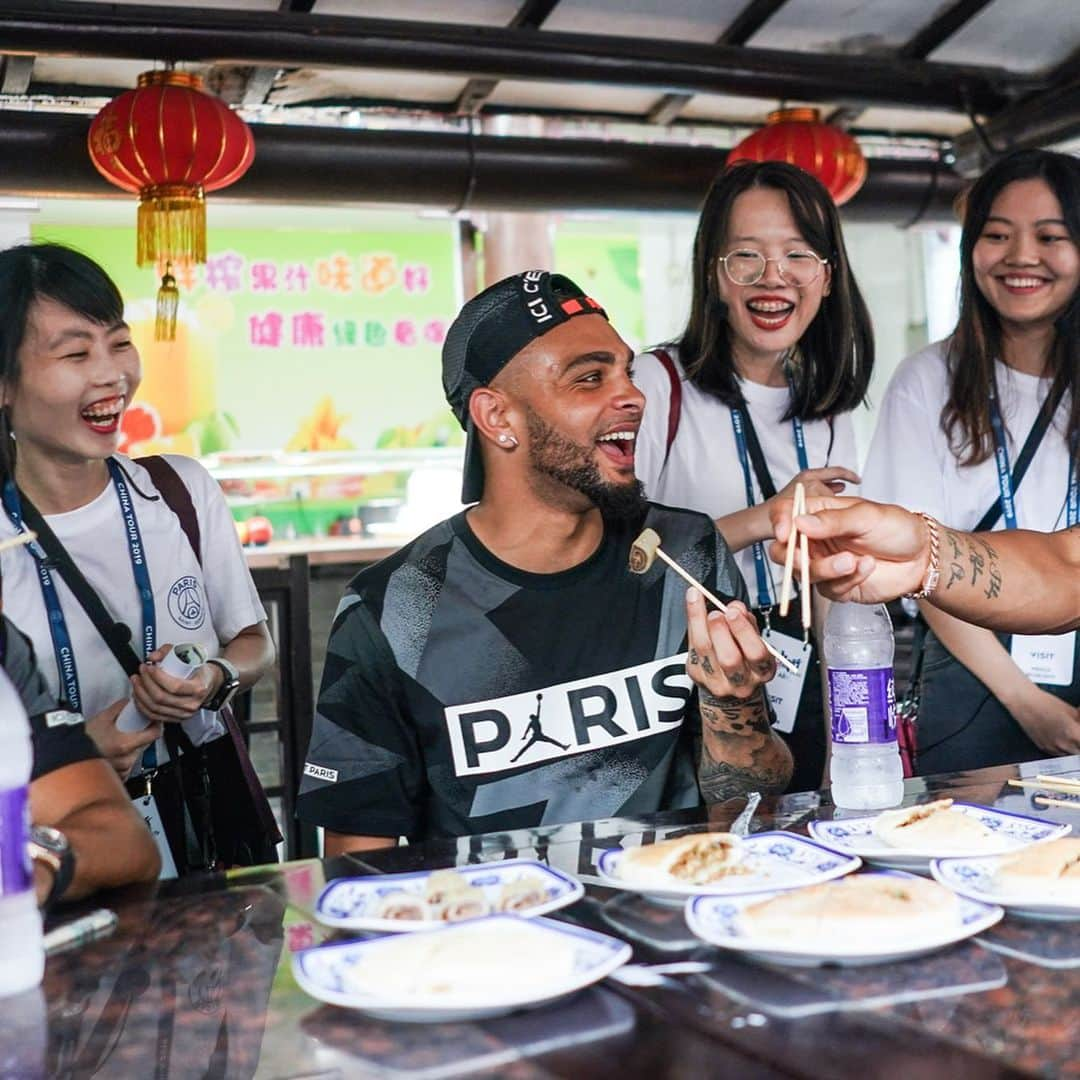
[[516, 624]]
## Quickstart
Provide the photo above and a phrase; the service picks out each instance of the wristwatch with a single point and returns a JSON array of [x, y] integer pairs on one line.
[[227, 690], [50, 846]]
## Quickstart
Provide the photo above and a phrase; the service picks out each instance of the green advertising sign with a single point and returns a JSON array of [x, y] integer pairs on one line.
[[290, 340]]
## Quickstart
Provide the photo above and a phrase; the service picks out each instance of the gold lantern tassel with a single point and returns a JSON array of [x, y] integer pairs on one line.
[[171, 224], [168, 300]]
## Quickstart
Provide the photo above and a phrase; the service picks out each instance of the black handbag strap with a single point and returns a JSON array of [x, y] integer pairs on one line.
[[1027, 452], [116, 635]]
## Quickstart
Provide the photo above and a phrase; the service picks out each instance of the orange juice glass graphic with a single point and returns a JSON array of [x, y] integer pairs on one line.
[[179, 378]]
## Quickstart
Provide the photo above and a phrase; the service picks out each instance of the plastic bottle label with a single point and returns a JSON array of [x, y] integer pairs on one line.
[[15, 873], [862, 703]]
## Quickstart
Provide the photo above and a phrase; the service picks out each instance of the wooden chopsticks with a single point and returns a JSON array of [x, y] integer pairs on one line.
[[1061, 784], [798, 507]]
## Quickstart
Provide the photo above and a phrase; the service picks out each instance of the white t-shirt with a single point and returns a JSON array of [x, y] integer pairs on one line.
[[910, 461], [208, 605], [703, 470]]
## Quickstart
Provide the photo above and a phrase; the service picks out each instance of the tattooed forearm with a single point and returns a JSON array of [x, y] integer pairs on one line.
[[1016, 580], [739, 750], [973, 554]]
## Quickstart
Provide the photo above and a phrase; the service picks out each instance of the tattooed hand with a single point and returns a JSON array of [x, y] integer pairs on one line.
[[728, 661], [726, 655], [1019, 581]]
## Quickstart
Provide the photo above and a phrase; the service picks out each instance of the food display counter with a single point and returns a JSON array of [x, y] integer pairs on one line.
[[198, 980]]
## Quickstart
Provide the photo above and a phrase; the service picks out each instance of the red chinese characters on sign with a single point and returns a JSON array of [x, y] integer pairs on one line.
[[264, 331], [225, 272], [405, 332], [309, 329], [415, 278], [297, 276], [435, 331], [264, 277]]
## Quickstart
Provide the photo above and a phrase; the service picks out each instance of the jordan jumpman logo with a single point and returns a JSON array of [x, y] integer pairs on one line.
[[534, 733]]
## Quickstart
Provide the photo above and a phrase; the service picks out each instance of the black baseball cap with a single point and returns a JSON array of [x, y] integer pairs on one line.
[[490, 330]]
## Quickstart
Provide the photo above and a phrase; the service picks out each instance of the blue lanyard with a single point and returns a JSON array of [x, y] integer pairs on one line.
[[760, 565], [1001, 462], [61, 640], [1004, 474], [58, 629], [800, 443]]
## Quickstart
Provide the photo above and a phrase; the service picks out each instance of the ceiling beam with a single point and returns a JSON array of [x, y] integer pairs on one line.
[[45, 154], [925, 40], [530, 16], [16, 74], [745, 25], [936, 32], [1040, 120], [244, 37]]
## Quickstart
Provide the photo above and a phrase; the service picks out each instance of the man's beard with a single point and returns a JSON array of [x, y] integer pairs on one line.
[[553, 455]]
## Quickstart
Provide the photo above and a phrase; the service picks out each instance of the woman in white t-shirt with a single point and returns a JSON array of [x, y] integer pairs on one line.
[[951, 435], [779, 339], [68, 370]]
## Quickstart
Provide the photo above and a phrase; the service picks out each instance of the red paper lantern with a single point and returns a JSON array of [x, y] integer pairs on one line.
[[799, 137], [170, 142]]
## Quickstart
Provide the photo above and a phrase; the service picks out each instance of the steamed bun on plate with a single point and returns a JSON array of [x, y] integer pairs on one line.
[[863, 908], [938, 827], [699, 859], [1050, 871]]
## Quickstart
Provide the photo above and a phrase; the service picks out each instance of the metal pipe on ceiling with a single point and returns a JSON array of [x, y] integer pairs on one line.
[[45, 154], [283, 39]]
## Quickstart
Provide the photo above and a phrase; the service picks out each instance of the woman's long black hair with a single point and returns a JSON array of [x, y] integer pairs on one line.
[[837, 348], [976, 341]]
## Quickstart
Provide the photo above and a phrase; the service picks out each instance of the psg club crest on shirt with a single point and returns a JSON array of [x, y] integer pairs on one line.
[[186, 603]]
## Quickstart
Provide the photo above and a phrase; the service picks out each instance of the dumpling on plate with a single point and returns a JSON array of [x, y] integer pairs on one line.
[[1050, 870], [521, 895], [442, 884], [935, 826], [865, 907], [699, 859], [466, 903], [402, 905]]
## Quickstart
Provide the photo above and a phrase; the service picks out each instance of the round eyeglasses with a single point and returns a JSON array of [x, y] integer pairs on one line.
[[745, 266]]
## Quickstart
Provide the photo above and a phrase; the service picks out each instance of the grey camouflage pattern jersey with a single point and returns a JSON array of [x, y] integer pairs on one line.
[[461, 695]]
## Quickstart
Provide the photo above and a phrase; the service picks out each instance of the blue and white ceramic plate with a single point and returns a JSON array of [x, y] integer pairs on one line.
[[465, 971], [854, 836], [358, 903], [772, 860], [718, 920], [975, 878]]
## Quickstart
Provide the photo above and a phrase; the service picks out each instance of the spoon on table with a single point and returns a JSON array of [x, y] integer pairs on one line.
[[741, 825]]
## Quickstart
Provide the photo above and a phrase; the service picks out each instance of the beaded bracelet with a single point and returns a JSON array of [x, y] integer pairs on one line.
[[933, 569]]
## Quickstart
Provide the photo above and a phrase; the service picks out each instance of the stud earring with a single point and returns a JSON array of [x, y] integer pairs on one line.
[[508, 440]]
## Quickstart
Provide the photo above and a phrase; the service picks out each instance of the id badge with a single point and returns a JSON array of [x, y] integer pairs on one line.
[[785, 689], [1045, 658], [148, 811]]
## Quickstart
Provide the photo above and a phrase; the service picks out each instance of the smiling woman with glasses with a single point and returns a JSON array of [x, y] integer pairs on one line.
[[756, 393]]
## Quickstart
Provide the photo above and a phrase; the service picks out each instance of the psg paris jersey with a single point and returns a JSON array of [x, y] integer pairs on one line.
[[462, 695]]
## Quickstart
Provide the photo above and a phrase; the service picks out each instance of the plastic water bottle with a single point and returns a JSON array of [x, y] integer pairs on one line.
[[865, 772], [20, 921]]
